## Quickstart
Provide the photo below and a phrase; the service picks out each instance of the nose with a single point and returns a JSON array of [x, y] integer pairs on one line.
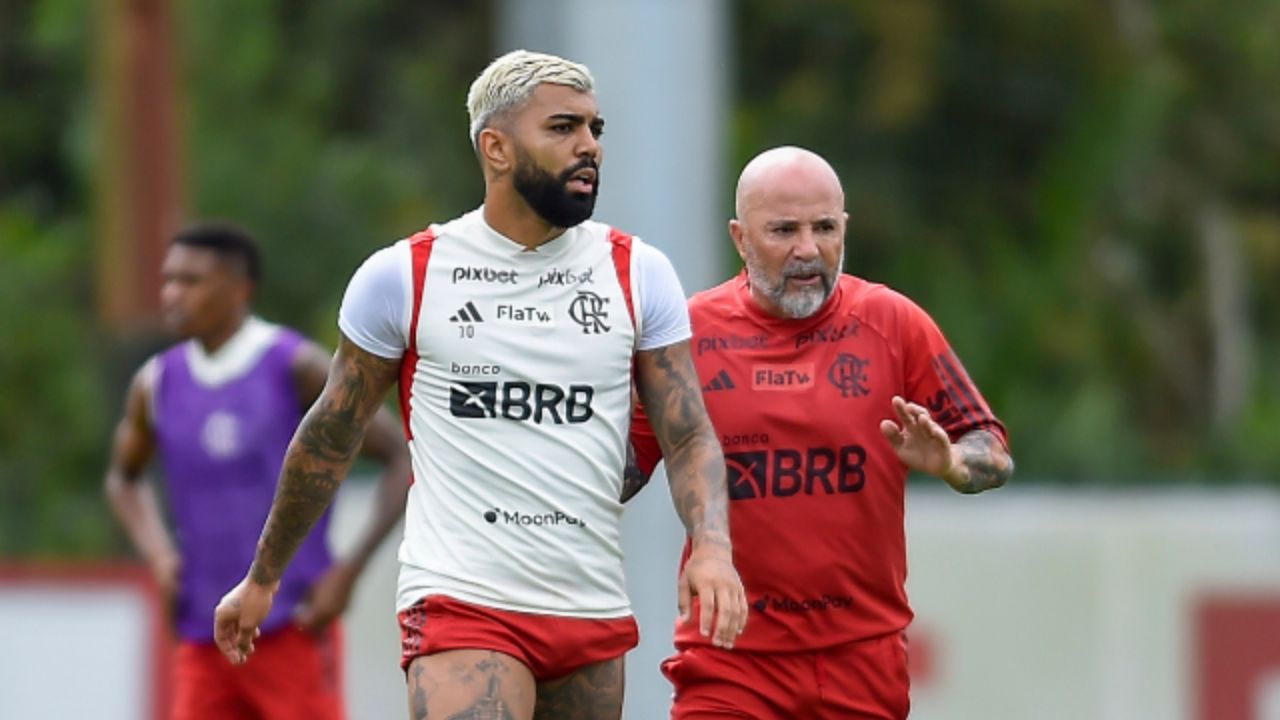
[[806, 245], [588, 144]]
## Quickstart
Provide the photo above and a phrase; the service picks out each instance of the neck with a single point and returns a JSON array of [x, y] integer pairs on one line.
[[509, 214], [213, 341]]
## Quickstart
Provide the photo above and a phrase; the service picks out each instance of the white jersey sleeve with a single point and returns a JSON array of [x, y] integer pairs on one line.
[[376, 307], [664, 313]]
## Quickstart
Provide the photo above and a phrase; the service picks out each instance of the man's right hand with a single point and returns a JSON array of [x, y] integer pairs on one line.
[[709, 575], [237, 617]]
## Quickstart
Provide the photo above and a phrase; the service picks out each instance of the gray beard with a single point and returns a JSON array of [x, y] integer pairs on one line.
[[794, 304]]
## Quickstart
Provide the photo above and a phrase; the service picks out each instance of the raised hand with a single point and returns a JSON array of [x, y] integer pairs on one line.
[[922, 444]]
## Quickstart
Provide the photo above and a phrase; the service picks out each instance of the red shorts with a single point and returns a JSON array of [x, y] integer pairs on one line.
[[864, 680], [551, 646], [292, 675]]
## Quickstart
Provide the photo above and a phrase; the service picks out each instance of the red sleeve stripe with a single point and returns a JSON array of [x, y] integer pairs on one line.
[[960, 388], [420, 249], [622, 265]]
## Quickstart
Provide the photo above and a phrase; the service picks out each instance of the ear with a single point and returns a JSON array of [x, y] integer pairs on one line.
[[737, 232], [244, 290], [495, 150]]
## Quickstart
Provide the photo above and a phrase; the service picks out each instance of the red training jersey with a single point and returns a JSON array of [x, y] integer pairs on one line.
[[816, 492]]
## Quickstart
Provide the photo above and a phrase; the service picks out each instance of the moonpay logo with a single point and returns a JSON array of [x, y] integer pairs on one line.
[[552, 518]]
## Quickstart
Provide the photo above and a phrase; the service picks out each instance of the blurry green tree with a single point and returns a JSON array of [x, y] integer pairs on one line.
[[1085, 195]]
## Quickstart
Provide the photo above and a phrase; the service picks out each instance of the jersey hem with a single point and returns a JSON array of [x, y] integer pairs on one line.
[[406, 599]]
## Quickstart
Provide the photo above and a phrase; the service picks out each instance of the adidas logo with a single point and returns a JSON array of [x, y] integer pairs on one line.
[[721, 381], [467, 314]]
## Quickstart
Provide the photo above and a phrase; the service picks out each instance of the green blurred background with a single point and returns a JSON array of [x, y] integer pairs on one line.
[[1086, 196]]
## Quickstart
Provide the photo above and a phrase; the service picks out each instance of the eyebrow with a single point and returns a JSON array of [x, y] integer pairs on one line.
[[596, 122], [779, 222]]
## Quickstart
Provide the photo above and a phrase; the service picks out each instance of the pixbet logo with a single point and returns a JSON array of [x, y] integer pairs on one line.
[[827, 333], [725, 343], [484, 275], [567, 277]]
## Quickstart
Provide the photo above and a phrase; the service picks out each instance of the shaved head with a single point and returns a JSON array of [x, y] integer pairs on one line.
[[789, 230], [785, 169]]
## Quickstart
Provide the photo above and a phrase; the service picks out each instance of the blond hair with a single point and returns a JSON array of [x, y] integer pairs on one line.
[[509, 81]]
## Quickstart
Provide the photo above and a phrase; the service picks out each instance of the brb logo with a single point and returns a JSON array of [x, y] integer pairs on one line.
[[785, 472], [522, 402]]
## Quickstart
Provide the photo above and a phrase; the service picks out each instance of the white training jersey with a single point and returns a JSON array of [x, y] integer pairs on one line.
[[517, 393]]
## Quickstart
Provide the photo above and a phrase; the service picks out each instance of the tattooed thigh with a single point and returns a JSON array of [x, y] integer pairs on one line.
[[593, 692], [469, 685]]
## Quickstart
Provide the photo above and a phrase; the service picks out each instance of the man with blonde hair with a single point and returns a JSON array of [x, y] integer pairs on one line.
[[515, 332]]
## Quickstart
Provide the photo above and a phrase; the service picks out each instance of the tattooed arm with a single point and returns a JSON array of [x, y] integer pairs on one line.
[[977, 461], [318, 458], [384, 444], [982, 463], [671, 396]]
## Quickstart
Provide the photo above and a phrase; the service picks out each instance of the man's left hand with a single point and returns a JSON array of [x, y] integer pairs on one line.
[[922, 444]]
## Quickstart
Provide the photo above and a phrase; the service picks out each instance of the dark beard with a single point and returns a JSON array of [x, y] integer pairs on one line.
[[547, 195]]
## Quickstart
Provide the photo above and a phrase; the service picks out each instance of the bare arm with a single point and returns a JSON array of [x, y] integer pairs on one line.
[[317, 460], [669, 389], [670, 392], [320, 454], [981, 462], [132, 500], [977, 461], [385, 444]]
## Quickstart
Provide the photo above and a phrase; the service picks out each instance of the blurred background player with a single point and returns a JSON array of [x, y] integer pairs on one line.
[[220, 408], [826, 390], [514, 332]]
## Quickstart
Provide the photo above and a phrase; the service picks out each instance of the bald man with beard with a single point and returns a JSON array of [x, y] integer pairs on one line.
[[826, 390]]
